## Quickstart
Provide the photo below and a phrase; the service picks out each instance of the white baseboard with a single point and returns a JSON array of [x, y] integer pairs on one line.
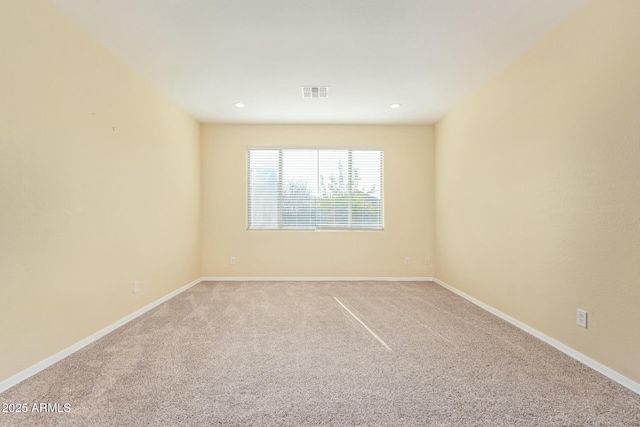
[[21, 376], [317, 279], [604, 370]]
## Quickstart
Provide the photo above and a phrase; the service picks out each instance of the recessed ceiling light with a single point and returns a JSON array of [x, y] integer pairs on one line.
[[396, 105], [239, 105]]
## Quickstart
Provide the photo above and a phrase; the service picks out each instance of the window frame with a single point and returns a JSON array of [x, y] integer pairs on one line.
[[280, 149]]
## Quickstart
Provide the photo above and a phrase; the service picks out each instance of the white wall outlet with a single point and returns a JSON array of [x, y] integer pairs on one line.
[[407, 261], [233, 260], [426, 260], [136, 286], [581, 318]]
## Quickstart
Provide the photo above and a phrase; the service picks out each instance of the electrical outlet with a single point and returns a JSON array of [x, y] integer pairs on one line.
[[233, 260], [581, 318], [136, 286], [407, 261], [426, 260]]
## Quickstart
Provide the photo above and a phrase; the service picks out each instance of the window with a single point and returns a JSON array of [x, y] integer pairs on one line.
[[310, 189]]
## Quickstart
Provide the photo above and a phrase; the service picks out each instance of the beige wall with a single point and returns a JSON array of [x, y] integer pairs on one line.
[[538, 187], [408, 181], [84, 209]]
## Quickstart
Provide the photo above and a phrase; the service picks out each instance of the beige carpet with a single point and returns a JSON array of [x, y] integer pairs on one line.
[[321, 354]]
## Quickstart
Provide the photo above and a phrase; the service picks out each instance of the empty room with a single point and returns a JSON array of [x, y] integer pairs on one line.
[[319, 212]]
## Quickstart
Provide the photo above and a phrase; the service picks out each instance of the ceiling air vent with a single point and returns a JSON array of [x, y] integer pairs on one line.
[[315, 91]]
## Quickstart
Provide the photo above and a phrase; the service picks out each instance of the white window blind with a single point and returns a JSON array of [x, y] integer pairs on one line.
[[299, 188]]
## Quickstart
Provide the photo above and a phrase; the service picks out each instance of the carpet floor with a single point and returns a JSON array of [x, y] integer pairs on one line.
[[320, 354]]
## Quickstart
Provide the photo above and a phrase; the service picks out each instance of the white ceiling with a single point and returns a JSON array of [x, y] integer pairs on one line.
[[428, 55]]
